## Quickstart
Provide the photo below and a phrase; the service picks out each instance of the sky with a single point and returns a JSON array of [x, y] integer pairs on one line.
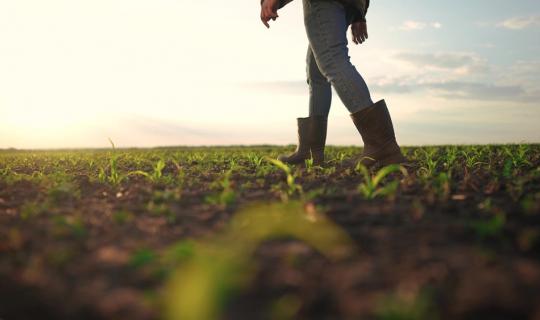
[[74, 73]]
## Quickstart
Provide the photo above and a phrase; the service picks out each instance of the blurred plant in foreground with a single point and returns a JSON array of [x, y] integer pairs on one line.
[[222, 265]]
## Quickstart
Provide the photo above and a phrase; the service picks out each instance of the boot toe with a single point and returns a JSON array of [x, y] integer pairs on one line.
[[294, 158]]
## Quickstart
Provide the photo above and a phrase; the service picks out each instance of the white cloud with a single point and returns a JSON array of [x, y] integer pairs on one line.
[[461, 76], [518, 23], [457, 90], [455, 62], [411, 25]]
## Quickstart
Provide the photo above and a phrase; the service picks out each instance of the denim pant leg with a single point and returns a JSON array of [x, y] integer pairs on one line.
[[326, 27], [320, 90]]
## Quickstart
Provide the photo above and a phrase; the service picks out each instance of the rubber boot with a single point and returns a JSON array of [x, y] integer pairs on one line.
[[311, 141], [375, 126]]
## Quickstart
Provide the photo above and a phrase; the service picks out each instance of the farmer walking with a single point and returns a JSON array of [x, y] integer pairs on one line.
[[328, 64]]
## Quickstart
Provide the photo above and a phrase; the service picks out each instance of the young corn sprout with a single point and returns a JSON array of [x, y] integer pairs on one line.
[[156, 175], [372, 188], [292, 186], [112, 175]]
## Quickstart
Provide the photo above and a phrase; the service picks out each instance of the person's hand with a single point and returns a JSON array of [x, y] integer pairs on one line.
[[269, 11], [359, 32]]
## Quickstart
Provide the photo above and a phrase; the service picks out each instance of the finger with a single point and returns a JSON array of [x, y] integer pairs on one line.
[[266, 16], [273, 12], [357, 34], [265, 22], [364, 31], [362, 35]]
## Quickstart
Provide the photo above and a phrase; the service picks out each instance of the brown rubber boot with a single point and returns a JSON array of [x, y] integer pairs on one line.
[[375, 126], [311, 141]]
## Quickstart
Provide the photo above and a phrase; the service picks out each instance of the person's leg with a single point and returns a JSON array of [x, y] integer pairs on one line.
[[320, 90], [312, 130], [326, 28]]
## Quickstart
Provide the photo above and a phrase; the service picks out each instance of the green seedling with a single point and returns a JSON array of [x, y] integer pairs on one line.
[[196, 157], [156, 175], [292, 186], [233, 164], [111, 174], [371, 187], [122, 217], [450, 157], [490, 228], [227, 196], [179, 252], [180, 173], [286, 307], [309, 165], [263, 170], [327, 171], [5, 171], [221, 266], [517, 155], [507, 170], [429, 167], [313, 194], [443, 185], [142, 257], [63, 191], [516, 187], [69, 226], [32, 209], [161, 201], [410, 306], [472, 158], [255, 160], [340, 157]]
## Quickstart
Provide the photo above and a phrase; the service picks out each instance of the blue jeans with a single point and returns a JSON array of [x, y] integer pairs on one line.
[[328, 60]]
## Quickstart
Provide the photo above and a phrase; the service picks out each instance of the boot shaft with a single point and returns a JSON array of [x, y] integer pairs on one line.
[[374, 124], [317, 134], [303, 127], [311, 140]]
